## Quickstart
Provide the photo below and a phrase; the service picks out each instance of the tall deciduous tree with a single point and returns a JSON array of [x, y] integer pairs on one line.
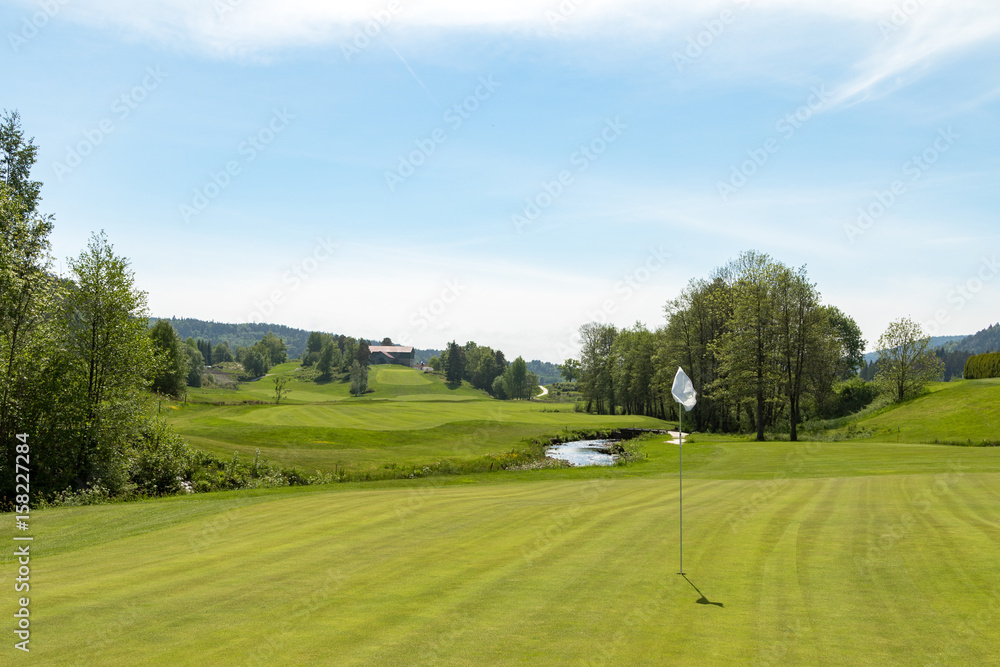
[[803, 330], [596, 381], [747, 350], [516, 381], [171, 359], [906, 363], [570, 370], [195, 363], [359, 378], [27, 292], [112, 358], [275, 348]]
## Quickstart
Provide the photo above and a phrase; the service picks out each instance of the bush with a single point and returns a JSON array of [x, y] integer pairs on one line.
[[853, 396], [160, 462], [982, 366]]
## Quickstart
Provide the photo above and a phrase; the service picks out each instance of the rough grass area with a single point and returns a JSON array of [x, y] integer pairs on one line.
[[960, 412]]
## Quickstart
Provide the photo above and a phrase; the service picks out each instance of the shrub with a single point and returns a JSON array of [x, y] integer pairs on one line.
[[982, 366]]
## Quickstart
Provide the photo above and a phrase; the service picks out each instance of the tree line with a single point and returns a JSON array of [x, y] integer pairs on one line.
[[758, 343], [762, 349], [76, 359], [486, 369]]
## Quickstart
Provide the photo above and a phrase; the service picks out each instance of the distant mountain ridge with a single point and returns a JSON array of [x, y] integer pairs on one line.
[[949, 343], [987, 340]]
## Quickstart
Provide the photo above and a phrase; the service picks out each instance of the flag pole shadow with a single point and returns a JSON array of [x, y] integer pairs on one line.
[[702, 600]]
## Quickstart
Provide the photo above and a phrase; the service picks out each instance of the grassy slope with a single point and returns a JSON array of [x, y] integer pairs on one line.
[[815, 560], [953, 411], [410, 419]]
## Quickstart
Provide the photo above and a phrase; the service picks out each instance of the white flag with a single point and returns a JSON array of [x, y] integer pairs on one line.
[[683, 390]]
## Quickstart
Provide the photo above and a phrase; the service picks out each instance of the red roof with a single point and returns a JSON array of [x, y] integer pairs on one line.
[[390, 349]]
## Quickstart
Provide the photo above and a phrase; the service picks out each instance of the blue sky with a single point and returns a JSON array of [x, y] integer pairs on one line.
[[507, 172]]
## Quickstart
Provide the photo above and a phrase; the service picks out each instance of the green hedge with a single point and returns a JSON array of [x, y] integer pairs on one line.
[[983, 366]]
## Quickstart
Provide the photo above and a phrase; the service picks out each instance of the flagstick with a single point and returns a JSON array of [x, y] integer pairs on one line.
[[680, 458]]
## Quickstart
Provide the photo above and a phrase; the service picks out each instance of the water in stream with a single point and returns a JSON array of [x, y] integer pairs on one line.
[[583, 452]]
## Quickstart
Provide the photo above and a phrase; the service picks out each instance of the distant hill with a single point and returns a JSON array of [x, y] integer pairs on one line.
[[949, 343], [238, 335], [987, 340], [547, 372], [245, 335], [952, 350], [425, 355]]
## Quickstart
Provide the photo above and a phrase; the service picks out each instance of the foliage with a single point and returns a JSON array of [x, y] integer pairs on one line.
[[983, 366], [171, 359], [359, 378], [256, 361], [596, 362], [454, 363], [987, 340], [281, 389], [517, 382], [906, 363], [110, 357], [28, 294], [570, 370], [761, 348], [221, 353], [240, 335], [363, 354], [195, 363], [274, 348]]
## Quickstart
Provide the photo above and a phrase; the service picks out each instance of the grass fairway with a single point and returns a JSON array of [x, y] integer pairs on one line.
[[840, 553], [409, 419]]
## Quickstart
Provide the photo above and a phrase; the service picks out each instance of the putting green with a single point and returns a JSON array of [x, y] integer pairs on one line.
[[398, 376]]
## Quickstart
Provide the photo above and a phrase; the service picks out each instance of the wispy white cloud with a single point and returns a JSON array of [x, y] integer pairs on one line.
[[912, 44], [227, 27]]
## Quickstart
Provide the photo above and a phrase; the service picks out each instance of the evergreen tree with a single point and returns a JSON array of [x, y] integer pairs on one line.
[[454, 367], [363, 353]]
